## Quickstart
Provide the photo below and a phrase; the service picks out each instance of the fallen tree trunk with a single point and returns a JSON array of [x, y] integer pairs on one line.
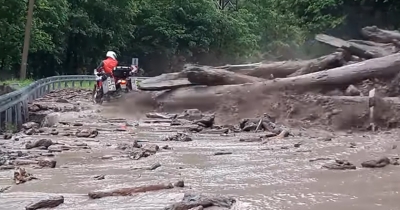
[[380, 35], [333, 60], [362, 50], [165, 82], [209, 97], [196, 75], [285, 68], [239, 66], [211, 77], [129, 191]]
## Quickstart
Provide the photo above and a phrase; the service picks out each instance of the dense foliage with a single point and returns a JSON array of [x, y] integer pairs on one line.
[[72, 36]]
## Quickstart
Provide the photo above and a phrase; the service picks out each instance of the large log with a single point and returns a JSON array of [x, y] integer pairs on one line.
[[209, 97], [284, 68], [380, 35], [333, 60], [362, 50], [209, 76], [239, 66], [129, 191], [195, 75], [165, 82]]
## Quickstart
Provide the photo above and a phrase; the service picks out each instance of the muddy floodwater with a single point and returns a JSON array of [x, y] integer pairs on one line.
[[281, 174]]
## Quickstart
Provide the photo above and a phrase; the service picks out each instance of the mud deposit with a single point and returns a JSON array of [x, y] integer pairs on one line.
[[98, 149]]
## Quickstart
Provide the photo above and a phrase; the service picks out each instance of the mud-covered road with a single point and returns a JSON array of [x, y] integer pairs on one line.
[[280, 173]]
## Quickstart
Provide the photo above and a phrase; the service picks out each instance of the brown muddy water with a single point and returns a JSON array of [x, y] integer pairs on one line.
[[275, 175]]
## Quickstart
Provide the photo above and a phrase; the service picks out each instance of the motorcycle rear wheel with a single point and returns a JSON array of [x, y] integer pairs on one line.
[[97, 96]]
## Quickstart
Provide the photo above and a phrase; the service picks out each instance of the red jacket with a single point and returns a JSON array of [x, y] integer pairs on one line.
[[109, 64]]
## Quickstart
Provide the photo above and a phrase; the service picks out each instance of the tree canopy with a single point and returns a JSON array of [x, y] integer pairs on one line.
[[72, 36]]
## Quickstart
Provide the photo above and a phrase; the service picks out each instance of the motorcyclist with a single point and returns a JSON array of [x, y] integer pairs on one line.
[[108, 64]]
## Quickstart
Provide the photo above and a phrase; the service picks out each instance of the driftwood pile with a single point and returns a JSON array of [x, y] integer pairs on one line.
[[354, 68], [353, 61]]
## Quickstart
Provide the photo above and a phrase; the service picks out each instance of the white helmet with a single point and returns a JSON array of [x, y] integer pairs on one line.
[[111, 54]]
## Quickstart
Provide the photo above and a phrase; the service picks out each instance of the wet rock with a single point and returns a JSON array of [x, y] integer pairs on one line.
[[297, 145], [207, 121], [46, 163], [166, 147], [81, 144], [153, 148], [34, 108], [190, 114], [196, 200], [126, 146], [54, 132], [43, 130], [145, 151], [46, 143], [257, 139], [4, 189], [352, 91], [265, 123], [180, 183], [195, 129], [178, 137], [31, 131], [154, 166], [394, 161], [51, 119], [340, 165], [99, 177], [47, 154], [155, 115], [379, 163], [21, 176], [50, 202], [30, 125], [247, 125], [352, 145], [327, 138], [87, 133], [7, 136], [107, 157], [222, 153]]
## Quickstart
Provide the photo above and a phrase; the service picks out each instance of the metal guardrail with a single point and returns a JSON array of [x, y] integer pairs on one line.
[[14, 105]]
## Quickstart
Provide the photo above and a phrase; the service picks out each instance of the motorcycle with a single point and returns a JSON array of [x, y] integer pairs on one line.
[[107, 86]]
